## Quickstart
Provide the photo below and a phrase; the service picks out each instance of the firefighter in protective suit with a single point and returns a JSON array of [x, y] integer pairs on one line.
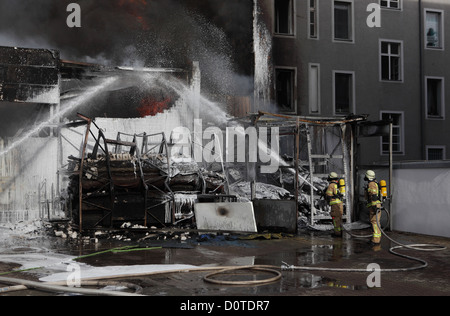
[[372, 195], [334, 198]]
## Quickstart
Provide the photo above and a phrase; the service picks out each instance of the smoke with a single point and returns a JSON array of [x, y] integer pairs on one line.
[[151, 33]]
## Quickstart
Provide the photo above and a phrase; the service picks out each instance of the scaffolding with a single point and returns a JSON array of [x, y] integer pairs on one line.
[[312, 148], [132, 178]]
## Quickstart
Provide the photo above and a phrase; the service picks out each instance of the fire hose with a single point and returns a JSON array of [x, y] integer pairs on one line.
[[26, 284], [417, 247], [209, 278]]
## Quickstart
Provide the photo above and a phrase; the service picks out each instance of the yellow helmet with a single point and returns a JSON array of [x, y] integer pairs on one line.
[[370, 175], [333, 176]]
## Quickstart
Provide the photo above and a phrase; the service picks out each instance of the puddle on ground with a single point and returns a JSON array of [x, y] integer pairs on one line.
[[299, 280], [298, 251]]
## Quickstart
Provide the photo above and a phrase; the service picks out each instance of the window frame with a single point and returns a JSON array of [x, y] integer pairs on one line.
[[292, 23], [441, 29], [293, 70], [389, 7], [401, 128], [319, 97], [314, 10], [352, 105], [442, 113], [351, 28], [444, 152], [400, 55]]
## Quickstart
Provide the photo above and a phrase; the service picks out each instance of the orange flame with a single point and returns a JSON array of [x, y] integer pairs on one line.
[[135, 8], [150, 107]]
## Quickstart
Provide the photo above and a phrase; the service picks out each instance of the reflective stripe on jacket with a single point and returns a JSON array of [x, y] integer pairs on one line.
[[332, 192], [373, 189]]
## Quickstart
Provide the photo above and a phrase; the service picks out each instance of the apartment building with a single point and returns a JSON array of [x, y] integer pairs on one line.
[[384, 58]]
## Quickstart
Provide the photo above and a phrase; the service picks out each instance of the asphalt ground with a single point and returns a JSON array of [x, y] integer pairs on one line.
[[310, 249]]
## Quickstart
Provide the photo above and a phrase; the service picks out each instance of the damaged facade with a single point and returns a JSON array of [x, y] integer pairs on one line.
[[30, 89], [124, 164], [105, 171], [138, 181]]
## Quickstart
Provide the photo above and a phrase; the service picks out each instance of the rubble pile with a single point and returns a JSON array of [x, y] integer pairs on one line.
[[147, 189], [160, 187]]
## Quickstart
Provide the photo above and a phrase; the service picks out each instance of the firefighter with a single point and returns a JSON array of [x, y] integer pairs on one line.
[[334, 198], [372, 195]]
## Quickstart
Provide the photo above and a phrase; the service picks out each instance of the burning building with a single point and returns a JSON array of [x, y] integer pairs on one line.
[[40, 90], [180, 61]]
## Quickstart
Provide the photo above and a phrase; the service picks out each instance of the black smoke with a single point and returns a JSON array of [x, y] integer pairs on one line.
[[150, 33]]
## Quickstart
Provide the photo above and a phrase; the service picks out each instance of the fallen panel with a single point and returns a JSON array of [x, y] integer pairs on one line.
[[276, 215], [239, 217]]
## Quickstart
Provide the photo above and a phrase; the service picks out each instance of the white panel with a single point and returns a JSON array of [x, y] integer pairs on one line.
[[421, 201], [226, 217]]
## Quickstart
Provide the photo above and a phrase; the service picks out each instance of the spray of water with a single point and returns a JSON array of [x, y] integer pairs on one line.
[[262, 47], [71, 105], [210, 110]]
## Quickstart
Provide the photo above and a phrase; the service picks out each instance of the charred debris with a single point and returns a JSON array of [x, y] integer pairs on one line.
[[135, 187], [136, 182]]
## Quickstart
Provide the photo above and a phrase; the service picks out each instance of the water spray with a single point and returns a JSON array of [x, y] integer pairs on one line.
[[71, 105]]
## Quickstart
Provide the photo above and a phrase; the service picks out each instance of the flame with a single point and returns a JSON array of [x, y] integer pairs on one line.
[[136, 8], [150, 106]]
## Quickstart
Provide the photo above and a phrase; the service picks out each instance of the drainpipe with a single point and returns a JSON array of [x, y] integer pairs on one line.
[[422, 82], [391, 174]]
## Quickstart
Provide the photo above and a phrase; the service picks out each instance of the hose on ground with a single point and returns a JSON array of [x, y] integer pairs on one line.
[[65, 289], [209, 278], [417, 247], [347, 231], [137, 289]]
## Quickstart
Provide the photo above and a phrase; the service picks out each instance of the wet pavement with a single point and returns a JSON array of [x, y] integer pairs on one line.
[[312, 249]]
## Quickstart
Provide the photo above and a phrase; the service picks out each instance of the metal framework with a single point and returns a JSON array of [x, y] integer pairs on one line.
[[136, 169], [320, 146], [112, 185]]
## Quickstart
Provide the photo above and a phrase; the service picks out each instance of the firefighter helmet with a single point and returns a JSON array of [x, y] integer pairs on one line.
[[333, 176], [370, 175]]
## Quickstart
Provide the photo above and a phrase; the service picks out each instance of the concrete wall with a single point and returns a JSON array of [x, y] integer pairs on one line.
[[421, 202]]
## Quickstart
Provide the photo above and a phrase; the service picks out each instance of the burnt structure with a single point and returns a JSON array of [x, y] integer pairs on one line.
[[136, 181], [29, 83]]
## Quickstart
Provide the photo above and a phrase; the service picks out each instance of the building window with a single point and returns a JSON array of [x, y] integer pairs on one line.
[[436, 153], [284, 17], [343, 21], [397, 119], [435, 97], [434, 29], [314, 88], [391, 61], [285, 89], [344, 93], [391, 4], [313, 19]]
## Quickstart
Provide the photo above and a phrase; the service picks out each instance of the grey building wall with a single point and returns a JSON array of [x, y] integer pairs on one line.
[[437, 63], [361, 58]]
